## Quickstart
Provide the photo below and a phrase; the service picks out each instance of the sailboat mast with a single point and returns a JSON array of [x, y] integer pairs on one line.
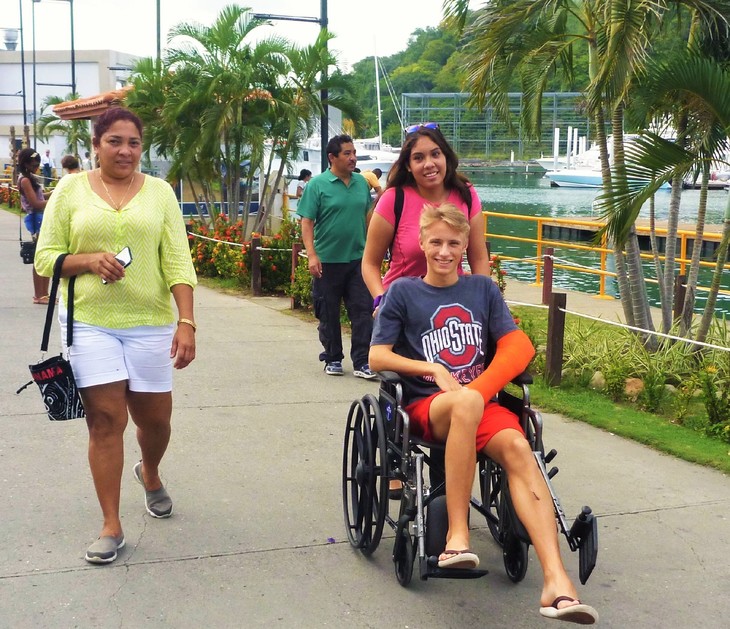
[[377, 92]]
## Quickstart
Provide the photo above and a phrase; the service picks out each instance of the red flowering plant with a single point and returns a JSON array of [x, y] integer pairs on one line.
[[498, 273], [9, 196], [219, 251]]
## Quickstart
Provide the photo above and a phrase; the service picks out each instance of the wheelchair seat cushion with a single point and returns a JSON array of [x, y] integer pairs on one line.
[[494, 419]]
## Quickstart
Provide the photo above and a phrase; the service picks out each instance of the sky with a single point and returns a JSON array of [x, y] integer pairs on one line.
[[361, 29]]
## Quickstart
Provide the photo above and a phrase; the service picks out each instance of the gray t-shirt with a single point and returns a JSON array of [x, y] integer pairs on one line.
[[452, 326]]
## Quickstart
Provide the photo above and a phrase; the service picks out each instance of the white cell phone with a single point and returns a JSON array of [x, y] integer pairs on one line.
[[124, 257]]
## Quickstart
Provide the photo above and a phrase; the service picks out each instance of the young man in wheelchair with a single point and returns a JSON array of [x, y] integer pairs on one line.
[[433, 332]]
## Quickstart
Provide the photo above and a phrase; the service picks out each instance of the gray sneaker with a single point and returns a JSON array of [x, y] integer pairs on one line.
[[104, 549], [334, 368], [158, 502], [365, 372]]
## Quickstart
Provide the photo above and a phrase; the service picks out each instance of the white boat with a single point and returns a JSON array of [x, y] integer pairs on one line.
[[581, 178], [371, 154], [585, 172], [575, 178]]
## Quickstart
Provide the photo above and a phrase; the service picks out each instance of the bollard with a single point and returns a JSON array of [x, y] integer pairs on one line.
[[295, 251], [547, 275], [555, 339], [256, 266]]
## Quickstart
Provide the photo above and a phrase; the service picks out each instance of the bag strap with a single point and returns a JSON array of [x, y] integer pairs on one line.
[[52, 305], [398, 211]]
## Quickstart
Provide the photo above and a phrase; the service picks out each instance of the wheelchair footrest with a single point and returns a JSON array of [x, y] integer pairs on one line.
[[584, 532], [431, 570]]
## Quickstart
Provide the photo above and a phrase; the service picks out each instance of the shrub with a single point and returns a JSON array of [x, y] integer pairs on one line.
[[499, 275], [222, 252], [301, 286]]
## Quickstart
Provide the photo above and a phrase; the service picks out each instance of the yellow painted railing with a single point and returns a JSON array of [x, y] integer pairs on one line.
[[540, 243]]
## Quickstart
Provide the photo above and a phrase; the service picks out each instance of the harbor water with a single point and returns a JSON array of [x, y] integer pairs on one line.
[[530, 194]]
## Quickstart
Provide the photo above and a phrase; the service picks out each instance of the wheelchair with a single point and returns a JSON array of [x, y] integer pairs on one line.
[[378, 447]]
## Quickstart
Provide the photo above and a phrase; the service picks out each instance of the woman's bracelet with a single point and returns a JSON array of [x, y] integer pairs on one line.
[[376, 301], [189, 322]]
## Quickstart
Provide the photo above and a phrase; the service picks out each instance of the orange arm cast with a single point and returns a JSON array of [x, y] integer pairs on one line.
[[514, 353]]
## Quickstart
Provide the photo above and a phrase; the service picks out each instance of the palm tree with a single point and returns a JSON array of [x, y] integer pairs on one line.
[[297, 106], [702, 87], [229, 82], [532, 39], [76, 132]]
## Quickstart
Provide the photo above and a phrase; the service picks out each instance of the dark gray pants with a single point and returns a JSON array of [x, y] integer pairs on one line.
[[343, 282]]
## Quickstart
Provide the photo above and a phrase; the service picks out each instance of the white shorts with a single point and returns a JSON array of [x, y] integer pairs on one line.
[[140, 355]]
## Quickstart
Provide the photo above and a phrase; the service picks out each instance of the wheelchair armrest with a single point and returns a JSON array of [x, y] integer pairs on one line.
[[524, 378], [389, 377]]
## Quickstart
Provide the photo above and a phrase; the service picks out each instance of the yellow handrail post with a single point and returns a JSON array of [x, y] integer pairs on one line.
[[602, 276], [538, 252]]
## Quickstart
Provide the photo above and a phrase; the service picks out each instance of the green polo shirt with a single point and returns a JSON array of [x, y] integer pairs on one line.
[[339, 213]]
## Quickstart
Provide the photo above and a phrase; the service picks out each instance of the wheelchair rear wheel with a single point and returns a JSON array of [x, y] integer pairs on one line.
[[365, 475], [490, 483]]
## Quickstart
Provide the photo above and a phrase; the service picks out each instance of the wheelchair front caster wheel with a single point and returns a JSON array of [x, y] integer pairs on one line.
[[404, 554], [514, 553]]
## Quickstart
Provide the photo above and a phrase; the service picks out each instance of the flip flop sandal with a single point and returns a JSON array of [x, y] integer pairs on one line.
[[461, 559], [580, 614]]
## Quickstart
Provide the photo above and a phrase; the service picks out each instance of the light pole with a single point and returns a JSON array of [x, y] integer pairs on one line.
[[72, 85], [11, 38], [159, 46], [324, 95]]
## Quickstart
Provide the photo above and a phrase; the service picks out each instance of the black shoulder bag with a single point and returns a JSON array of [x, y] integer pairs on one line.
[[54, 376]]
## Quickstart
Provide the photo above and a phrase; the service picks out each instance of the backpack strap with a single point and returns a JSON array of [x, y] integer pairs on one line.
[[398, 211]]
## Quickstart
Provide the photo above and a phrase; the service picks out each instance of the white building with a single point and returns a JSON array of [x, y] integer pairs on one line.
[[48, 73]]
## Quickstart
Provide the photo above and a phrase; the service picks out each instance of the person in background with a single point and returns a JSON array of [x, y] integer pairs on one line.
[[373, 178], [86, 163], [449, 396], [70, 163], [33, 202], [304, 177], [334, 211], [48, 166], [125, 337]]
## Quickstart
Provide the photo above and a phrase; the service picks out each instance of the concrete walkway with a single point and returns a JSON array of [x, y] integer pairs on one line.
[[254, 468]]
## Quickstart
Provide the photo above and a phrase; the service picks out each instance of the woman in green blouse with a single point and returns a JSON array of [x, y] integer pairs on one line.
[[126, 341]]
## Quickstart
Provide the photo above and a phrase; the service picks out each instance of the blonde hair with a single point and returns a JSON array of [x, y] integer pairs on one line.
[[449, 214]]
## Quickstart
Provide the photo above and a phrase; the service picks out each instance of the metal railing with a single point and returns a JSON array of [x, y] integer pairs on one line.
[[541, 243]]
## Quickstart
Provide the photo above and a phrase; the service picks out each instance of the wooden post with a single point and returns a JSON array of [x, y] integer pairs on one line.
[[555, 339], [680, 290], [256, 266], [547, 275], [295, 251]]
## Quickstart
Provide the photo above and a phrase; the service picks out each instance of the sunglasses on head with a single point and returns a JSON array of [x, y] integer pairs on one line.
[[424, 125]]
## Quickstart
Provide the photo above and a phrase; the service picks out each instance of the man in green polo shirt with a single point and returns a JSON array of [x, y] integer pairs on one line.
[[334, 210]]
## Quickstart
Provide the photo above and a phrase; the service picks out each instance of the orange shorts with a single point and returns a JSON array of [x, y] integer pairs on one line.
[[494, 419]]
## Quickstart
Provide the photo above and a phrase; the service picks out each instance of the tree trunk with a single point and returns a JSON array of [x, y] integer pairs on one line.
[[670, 248], [685, 324], [658, 271], [722, 250]]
